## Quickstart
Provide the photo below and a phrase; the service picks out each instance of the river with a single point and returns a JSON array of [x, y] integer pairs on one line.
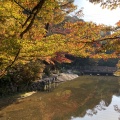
[[84, 98]]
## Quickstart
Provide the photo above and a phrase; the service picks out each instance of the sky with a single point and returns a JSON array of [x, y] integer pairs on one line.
[[98, 15]]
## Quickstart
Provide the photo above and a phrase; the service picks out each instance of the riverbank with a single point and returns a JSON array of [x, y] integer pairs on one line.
[[39, 85], [62, 77]]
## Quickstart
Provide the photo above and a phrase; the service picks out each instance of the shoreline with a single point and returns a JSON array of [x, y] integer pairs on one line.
[[62, 77]]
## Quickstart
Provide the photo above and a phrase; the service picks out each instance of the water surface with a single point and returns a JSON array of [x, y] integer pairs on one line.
[[85, 98], [102, 111]]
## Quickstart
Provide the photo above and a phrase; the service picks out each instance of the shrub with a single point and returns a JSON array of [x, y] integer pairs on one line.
[[20, 76]]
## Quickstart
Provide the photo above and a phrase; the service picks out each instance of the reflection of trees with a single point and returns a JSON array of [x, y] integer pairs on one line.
[[97, 97], [118, 94], [117, 109], [79, 98], [101, 106]]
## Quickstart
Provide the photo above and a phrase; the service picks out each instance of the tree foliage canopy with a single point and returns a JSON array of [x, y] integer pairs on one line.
[[26, 33]]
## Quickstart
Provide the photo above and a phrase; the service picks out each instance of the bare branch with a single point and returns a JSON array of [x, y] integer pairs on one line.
[[110, 38], [21, 6], [35, 11]]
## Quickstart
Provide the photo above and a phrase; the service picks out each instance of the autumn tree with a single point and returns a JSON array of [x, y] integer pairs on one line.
[[24, 27], [26, 33]]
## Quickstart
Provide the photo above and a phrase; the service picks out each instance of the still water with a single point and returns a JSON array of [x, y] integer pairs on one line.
[[85, 98], [102, 111]]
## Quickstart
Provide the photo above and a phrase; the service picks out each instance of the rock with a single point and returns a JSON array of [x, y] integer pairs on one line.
[[66, 76]]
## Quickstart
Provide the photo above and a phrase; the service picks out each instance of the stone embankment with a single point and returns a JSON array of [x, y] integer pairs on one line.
[[51, 82], [46, 84]]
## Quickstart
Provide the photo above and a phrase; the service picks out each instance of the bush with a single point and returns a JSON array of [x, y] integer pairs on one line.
[[20, 76]]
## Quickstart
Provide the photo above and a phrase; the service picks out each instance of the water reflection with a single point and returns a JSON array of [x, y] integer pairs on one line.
[[102, 111], [85, 98], [89, 99]]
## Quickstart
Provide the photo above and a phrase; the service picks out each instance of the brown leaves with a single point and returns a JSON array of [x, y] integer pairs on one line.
[[118, 23]]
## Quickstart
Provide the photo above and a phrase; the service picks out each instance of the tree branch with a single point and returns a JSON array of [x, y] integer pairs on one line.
[[3, 72], [98, 40], [22, 6], [66, 3], [35, 11]]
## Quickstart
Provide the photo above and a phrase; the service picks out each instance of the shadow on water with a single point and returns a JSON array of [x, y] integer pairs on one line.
[[9, 99], [70, 99], [6, 101]]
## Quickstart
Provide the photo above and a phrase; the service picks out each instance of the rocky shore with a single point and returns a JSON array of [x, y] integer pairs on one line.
[[46, 84]]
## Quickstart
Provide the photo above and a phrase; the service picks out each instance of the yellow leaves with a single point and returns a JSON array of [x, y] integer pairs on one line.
[[8, 49], [10, 46], [11, 32], [45, 47], [35, 44]]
